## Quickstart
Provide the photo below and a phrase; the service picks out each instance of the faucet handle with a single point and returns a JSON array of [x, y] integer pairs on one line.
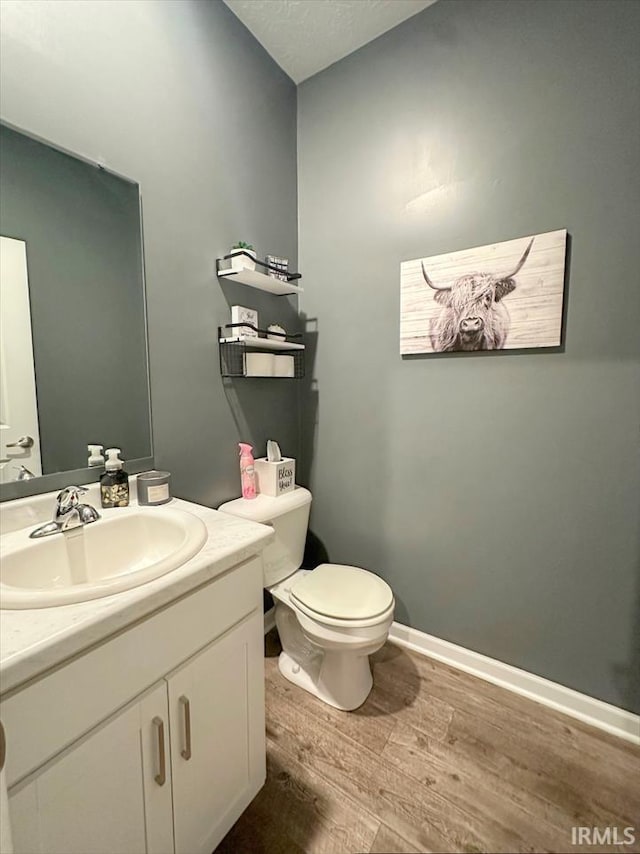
[[72, 492], [68, 499]]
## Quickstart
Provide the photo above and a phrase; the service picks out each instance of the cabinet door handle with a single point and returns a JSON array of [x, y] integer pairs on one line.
[[186, 752], [161, 776]]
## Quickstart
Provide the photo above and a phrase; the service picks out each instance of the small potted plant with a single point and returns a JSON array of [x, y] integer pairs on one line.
[[240, 260]]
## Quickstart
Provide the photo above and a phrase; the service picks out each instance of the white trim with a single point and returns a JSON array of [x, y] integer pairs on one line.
[[269, 619], [617, 721]]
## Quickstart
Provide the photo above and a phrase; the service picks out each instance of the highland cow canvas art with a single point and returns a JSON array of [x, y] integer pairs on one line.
[[506, 296]]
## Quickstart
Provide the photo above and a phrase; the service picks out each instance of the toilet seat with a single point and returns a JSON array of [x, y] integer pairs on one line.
[[342, 594]]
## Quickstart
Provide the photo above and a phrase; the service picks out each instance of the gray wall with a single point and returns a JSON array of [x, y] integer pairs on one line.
[[498, 495], [180, 97], [82, 230]]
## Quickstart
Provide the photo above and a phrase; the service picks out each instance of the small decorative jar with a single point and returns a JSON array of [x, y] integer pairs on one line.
[[154, 487]]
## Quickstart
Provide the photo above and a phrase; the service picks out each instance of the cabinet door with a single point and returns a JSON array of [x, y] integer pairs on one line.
[[156, 770], [216, 707], [99, 795]]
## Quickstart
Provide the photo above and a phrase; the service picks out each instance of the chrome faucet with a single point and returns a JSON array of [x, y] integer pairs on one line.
[[69, 513]]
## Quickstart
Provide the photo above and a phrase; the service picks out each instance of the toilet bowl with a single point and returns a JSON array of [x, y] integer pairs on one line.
[[330, 619]]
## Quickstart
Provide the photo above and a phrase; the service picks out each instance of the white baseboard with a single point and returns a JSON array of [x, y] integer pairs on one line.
[[269, 619], [587, 709]]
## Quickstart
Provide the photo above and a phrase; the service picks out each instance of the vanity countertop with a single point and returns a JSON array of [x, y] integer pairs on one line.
[[32, 641]]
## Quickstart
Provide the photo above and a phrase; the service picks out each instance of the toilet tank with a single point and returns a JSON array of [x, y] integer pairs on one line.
[[288, 515]]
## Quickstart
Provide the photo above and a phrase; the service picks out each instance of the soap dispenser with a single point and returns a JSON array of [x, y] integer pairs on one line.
[[114, 483]]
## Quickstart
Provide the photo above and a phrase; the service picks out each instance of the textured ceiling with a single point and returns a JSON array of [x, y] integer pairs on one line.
[[305, 36]]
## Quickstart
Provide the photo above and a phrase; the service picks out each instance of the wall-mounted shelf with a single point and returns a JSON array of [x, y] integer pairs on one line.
[[258, 280], [233, 353], [261, 343]]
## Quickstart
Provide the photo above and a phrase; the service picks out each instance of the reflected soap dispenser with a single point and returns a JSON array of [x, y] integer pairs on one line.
[[96, 457], [114, 483]]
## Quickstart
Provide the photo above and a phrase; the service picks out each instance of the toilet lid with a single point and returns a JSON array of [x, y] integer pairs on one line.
[[342, 592]]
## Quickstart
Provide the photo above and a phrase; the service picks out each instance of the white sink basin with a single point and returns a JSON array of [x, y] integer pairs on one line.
[[126, 548]]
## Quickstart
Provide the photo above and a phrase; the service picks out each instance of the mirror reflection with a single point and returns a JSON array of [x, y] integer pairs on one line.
[[73, 347], [19, 430]]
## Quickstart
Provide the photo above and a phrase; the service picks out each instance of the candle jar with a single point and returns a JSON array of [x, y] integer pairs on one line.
[[154, 487]]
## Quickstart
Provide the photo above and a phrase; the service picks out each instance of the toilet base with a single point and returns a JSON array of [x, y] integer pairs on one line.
[[343, 680]]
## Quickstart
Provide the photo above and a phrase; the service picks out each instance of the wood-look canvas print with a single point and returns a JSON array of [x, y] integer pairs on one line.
[[505, 296]]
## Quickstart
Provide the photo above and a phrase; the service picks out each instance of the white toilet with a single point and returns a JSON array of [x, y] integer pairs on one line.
[[330, 619]]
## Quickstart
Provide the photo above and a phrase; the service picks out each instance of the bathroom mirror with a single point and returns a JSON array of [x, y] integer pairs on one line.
[[73, 335]]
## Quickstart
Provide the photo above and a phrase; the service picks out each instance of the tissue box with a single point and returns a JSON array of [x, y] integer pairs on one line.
[[275, 479]]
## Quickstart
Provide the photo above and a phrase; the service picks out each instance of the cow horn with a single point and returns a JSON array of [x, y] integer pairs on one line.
[[430, 283], [521, 261]]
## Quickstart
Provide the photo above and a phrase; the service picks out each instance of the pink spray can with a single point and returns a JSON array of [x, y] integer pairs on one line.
[[247, 471]]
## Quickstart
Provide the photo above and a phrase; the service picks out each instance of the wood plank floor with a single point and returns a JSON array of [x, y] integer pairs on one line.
[[434, 761]]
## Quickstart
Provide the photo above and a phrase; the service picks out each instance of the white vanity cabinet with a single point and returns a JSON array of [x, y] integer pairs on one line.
[[154, 740], [99, 795]]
